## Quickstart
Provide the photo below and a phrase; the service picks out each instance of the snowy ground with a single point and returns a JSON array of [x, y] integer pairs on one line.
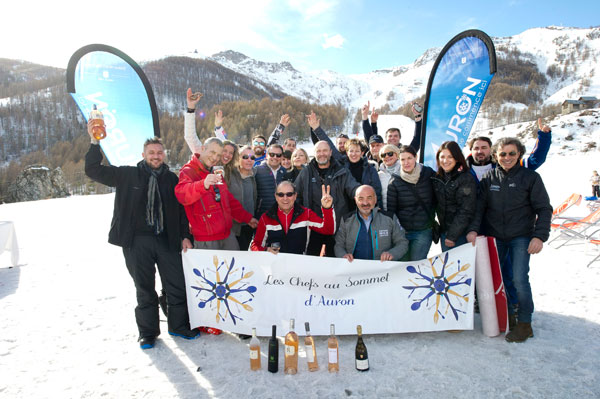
[[68, 328]]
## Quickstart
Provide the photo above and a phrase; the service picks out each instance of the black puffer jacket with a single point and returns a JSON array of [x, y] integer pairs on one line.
[[131, 183], [343, 186], [402, 201], [513, 204], [456, 195]]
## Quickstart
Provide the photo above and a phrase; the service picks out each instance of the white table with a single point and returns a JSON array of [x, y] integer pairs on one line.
[[8, 241]]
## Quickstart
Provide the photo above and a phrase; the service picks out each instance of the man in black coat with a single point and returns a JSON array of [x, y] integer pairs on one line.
[[151, 226], [515, 209], [324, 170]]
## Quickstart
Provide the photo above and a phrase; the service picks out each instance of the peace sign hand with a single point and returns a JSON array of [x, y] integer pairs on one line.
[[543, 128], [326, 199]]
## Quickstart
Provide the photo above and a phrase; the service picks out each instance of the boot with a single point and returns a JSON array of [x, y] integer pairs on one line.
[[512, 321], [520, 333]]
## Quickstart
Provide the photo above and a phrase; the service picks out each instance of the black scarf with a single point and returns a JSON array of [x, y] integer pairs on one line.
[[154, 208]]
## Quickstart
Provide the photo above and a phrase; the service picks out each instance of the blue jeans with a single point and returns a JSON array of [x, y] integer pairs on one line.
[[516, 249], [419, 243], [461, 240]]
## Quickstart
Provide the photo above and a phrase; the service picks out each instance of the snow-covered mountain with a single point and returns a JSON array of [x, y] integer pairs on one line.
[[566, 56]]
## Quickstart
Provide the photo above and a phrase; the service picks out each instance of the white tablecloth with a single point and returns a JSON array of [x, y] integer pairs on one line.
[[8, 241]]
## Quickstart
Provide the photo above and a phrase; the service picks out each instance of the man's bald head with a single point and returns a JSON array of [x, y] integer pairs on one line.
[[323, 154], [365, 199]]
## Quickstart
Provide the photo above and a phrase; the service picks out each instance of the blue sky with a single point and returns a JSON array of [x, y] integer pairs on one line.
[[351, 36]]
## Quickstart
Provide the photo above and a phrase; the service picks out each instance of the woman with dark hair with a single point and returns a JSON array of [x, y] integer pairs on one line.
[[410, 197], [456, 194], [360, 168]]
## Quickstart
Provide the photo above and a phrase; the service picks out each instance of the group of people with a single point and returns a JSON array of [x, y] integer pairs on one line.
[[356, 199]]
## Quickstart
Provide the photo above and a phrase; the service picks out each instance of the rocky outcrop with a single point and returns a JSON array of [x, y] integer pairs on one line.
[[38, 182]]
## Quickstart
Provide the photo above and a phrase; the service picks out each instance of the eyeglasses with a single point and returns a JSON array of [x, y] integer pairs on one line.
[[503, 154], [275, 155], [388, 154], [258, 143], [252, 157], [281, 195]]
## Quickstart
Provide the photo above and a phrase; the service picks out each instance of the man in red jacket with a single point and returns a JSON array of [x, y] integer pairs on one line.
[[208, 203]]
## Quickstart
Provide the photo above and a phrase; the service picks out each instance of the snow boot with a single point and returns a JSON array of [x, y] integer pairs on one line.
[[512, 321], [147, 342], [520, 333]]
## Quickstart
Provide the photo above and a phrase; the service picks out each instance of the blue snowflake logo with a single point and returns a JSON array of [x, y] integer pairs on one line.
[[220, 292], [444, 289]]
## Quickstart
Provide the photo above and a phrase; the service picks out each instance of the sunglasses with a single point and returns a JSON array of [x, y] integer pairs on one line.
[[275, 155], [281, 195], [388, 154], [252, 157], [217, 194], [503, 154], [258, 143]]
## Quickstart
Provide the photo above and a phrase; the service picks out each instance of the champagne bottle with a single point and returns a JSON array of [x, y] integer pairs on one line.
[[291, 351], [273, 365], [311, 351], [332, 349], [98, 126], [254, 351], [361, 356]]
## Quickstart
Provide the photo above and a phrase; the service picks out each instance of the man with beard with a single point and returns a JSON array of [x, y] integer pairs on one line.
[[151, 227], [268, 176], [340, 143], [324, 170], [259, 143], [480, 160]]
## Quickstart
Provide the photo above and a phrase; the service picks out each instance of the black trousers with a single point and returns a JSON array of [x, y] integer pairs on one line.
[[245, 237], [145, 252], [316, 242]]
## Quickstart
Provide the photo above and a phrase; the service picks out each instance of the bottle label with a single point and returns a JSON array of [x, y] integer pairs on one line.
[[254, 354], [362, 364], [289, 350], [333, 355], [309, 353]]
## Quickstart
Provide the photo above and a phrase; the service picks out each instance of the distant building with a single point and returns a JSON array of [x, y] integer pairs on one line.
[[584, 102]]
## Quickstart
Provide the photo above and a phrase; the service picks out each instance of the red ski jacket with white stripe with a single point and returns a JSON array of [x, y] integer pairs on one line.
[[270, 229]]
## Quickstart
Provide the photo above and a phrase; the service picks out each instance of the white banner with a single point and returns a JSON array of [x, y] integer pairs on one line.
[[235, 291]]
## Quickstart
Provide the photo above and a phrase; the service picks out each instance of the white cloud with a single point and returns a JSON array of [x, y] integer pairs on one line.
[[310, 9], [335, 41]]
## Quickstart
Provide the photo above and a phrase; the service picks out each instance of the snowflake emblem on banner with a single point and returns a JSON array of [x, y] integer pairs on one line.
[[446, 290], [219, 294]]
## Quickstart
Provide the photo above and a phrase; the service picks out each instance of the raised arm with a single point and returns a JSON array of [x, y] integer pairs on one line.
[[94, 169], [320, 135], [189, 125], [417, 112], [284, 122], [541, 148]]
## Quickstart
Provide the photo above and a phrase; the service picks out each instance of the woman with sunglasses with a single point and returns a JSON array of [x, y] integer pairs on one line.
[[389, 154], [299, 161], [455, 190], [242, 185], [410, 197]]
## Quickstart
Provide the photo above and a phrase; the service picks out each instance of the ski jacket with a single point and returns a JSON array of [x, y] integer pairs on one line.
[[456, 196], [369, 174], [266, 184], [403, 203], [387, 235], [309, 182], [131, 185], [513, 204], [210, 220], [304, 220]]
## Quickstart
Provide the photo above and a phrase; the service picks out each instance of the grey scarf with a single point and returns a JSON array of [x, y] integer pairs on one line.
[[154, 208]]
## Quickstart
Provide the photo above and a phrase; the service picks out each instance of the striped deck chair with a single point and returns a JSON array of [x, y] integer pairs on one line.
[[574, 199], [597, 243], [571, 229]]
